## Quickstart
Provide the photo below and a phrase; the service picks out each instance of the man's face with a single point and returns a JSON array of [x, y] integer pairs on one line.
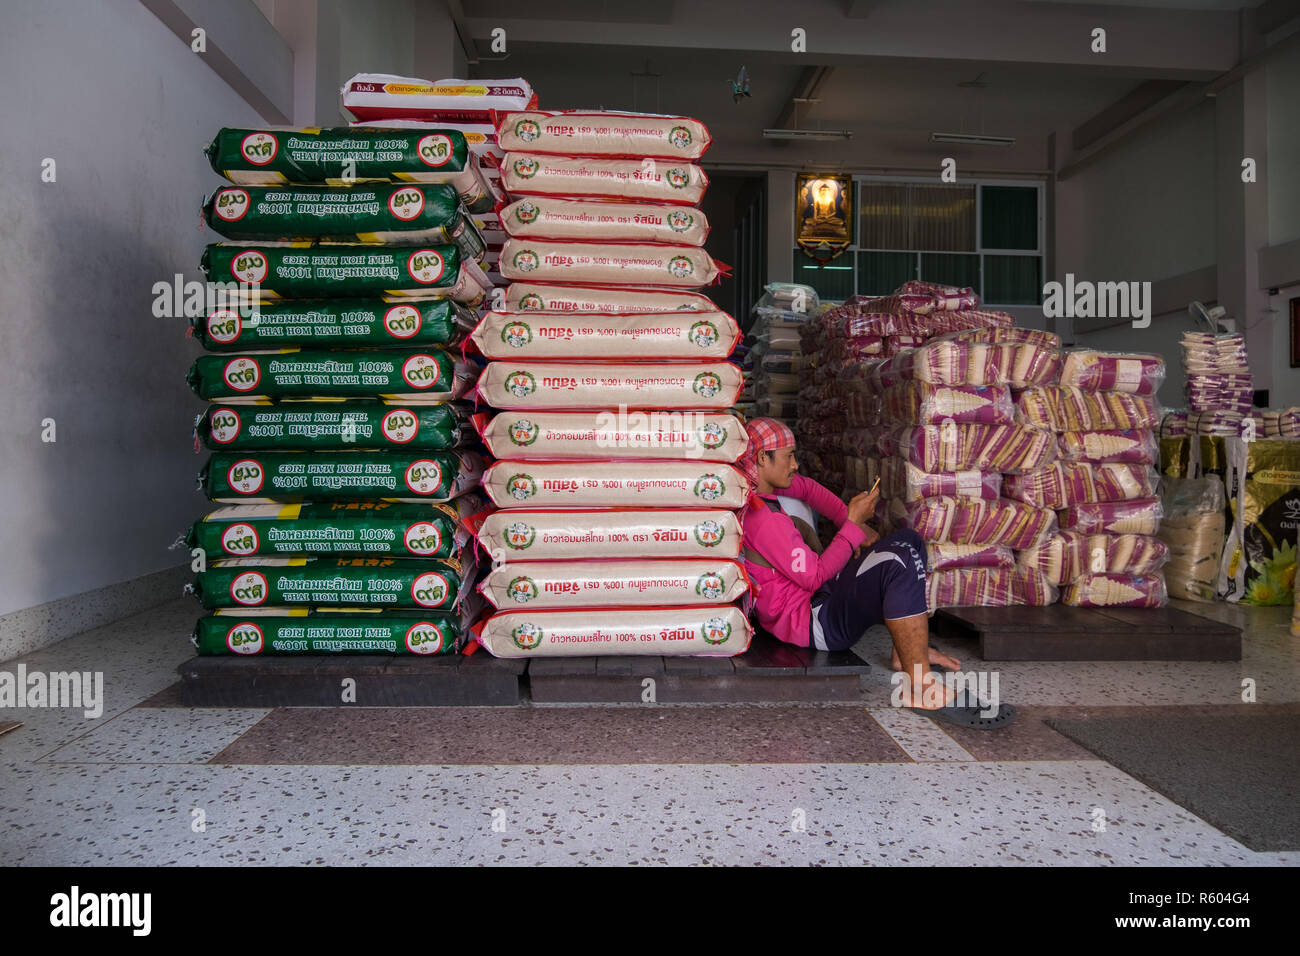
[[778, 467]]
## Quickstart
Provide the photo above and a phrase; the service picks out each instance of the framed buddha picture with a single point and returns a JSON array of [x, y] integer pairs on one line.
[[823, 214]]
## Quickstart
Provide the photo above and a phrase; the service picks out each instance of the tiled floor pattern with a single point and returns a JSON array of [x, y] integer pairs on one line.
[[152, 782]]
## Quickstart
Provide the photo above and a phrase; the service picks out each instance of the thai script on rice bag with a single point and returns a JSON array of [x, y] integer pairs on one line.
[[1064, 408], [902, 479], [262, 477], [291, 270], [335, 425], [535, 174], [531, 296], [322, 581], [1116, 590], [1141, 373], [383, 322], [607, 533], [1139, 516], [989, 587], [1068, 554], [1065, 483], [1138, 446], [377, 96], [705, 436], [425, 376], [920, 403], [977, 521], [587, 220], [561, 385], [607, 335], [953, 447], [388, 632], [656, 582], [597, 484], [330, 527], [605, 133], [944, 555], [374, 213], [709, 631], [603, 263], [344, 156]]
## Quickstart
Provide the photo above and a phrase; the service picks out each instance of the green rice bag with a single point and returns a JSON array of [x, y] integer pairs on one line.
[[335, 425], [425, 376], [334, 527], [288, 476], [339, 582], [374, 213], [346, 155], [361, 632], [392, 322], [296, 270]]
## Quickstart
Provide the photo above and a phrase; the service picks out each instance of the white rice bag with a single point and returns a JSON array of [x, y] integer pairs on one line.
[[607, 335], [599, 484], [656, 582]]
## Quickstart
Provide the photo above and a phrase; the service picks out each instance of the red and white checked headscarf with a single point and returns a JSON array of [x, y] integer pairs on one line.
[[765, 434]]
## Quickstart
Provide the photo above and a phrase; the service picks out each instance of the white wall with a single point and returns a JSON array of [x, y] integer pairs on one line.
[[124, 108], [1282, 82], [1145, 210]]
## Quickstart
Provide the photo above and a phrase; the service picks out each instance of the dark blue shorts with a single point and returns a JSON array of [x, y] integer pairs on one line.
[[885, 583]]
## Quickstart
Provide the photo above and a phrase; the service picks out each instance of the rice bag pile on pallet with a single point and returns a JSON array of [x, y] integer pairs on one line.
[[776, 349], [842, 342], [615, 492], [340, 446], [942, 418], [1104, 483]]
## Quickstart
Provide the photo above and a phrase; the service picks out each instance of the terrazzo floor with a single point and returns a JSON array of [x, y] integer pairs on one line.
[[152, 782]]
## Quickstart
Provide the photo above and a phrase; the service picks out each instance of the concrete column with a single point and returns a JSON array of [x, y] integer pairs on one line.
[[1241, 209], [780, 224]]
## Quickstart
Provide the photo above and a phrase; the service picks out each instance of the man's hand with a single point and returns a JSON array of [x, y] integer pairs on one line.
[[863, 505]]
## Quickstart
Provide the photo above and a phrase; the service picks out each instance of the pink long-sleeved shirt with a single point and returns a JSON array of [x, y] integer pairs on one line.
[[783, 593]]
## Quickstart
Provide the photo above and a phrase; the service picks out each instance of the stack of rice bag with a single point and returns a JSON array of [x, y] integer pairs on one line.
[[1105, 417], [1220, 391], [952, 441], [839, 344], [340, 451], [776, 352], [615, 529], [381, 101]]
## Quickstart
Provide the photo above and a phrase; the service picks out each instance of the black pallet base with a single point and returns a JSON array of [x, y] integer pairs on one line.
[[768, 672], [318, 681], [1062, 633]]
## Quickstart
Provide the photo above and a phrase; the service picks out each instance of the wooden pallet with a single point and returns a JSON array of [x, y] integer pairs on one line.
[[768, 671], [1061, 633]]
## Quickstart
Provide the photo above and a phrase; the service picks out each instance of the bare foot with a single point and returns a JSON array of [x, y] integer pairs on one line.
[[934, 693], [936, 657]]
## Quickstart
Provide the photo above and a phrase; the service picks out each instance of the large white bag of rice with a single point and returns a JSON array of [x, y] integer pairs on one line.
[[604, 133], [375, 96], [542, 585], [593, 220], [575, 385], [533, 296], [702, 436], [610, 484], [706, 631], [606, 533], [607, 335], [533, 174], [608, 263]]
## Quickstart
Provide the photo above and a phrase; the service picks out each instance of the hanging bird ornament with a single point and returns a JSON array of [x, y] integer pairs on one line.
[[740, 85]]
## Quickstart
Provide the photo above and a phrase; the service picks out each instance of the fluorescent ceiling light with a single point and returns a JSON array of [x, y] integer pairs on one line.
[[807, 134], [970, 139]]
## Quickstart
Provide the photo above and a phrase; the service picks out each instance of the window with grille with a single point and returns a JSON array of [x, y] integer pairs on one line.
[[986, 235]]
